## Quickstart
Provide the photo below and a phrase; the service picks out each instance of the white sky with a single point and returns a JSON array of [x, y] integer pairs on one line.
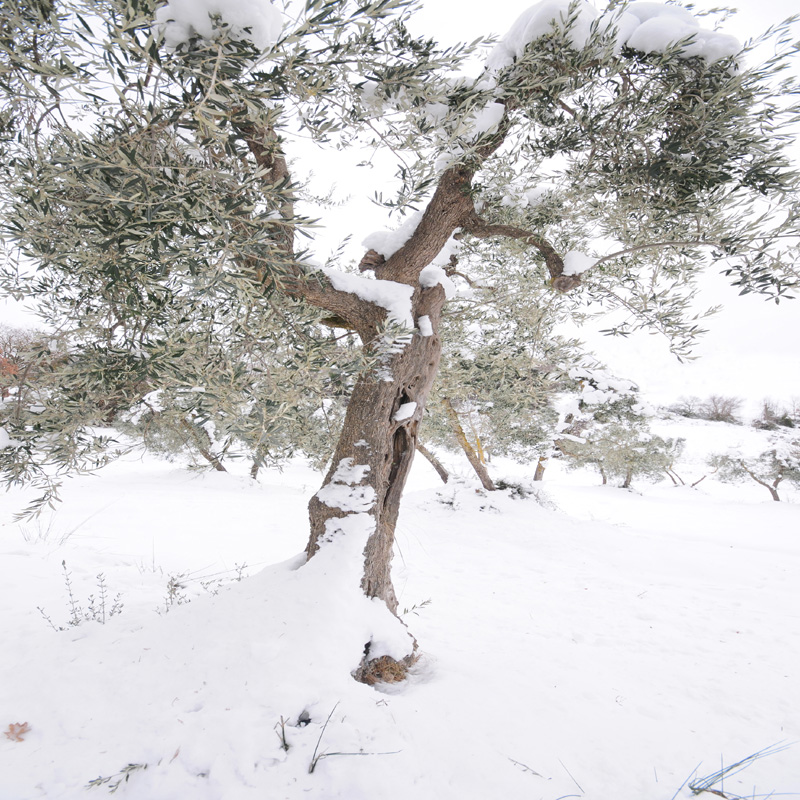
[[752, 349], [467, 19]]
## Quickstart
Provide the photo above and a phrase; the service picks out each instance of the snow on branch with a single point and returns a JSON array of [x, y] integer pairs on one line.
[[390, 295], [256, 21], [644, 26]]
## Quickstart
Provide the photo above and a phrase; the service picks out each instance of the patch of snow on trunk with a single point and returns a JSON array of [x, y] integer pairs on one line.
[[406, 411]]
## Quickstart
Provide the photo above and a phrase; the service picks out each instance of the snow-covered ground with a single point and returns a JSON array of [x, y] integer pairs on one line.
[[596, 643]]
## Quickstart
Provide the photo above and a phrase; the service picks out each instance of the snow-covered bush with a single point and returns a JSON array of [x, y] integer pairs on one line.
[[774, 416]]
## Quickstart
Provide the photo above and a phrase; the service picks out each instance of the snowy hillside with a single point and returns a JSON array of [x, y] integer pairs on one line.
[[597, 643]]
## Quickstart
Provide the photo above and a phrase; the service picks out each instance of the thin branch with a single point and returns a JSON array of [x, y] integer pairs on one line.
[[654, 246], [434, 462], [314, 757]]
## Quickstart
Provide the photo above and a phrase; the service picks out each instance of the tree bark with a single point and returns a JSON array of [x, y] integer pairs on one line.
[[771, 488], [434, 462], [202, 441], [626, 484], [472, 456], [381, 441], [376, 447]]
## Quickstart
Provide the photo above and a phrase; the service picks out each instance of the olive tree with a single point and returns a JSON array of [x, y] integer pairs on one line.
[[607, 427], [153, 160], [779, 463]]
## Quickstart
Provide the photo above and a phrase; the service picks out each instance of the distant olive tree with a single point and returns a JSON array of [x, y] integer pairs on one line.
[[769, 469], [774, 415], [610, 432]]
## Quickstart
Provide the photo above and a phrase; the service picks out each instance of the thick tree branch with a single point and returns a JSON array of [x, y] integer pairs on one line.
[[773, 489], [555, 264], [450, 208], [434, 462], [265, 146], [313, 287]]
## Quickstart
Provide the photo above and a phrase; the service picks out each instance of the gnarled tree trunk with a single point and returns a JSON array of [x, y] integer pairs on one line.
[[362, 490], [380, 434]]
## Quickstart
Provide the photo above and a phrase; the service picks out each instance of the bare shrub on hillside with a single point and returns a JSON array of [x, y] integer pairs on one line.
[[716, 408], [719, 408], [687, 407]]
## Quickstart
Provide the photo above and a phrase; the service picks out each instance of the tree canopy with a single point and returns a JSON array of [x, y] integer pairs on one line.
[[155, 201]]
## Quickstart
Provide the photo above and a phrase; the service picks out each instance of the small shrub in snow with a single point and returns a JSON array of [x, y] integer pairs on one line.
[[113, 782], [524, 490], [175, 595], [178, 583], [212, 584], [688, 407], [721, 409], [514, 488], [100, 608], [717, 408], [448, 499]]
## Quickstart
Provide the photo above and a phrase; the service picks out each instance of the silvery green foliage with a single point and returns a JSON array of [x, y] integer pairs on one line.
[[503, 362], [779, 463], [158, 248], [144, 214], [254, 393], [608, 430], [619, 149]]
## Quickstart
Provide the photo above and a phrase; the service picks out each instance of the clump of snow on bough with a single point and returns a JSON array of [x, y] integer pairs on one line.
[[390, 295], [6, 440], [406, 411], [387, 243], [647, 27], [256, 21], [425, 326], [576, 263]]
